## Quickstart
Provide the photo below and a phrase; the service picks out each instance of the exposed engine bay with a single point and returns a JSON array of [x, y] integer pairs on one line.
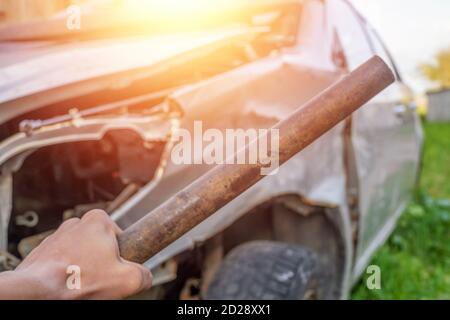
[[98, 166]]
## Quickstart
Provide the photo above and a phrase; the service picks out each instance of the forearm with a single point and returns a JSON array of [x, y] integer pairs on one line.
[[15, 285]]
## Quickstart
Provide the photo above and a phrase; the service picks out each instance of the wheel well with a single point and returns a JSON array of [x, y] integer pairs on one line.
[[292, 219], [288, 218]]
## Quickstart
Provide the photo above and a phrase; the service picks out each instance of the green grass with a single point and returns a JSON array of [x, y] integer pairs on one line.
[[436, 160], [415, 261]]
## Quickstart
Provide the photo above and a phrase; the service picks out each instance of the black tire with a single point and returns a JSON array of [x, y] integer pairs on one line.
[[266, 270]]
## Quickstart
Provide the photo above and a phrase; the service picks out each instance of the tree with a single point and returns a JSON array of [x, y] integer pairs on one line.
[[440, 70]]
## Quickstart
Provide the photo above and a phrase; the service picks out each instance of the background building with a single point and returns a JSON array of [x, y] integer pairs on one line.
[[439, 105]]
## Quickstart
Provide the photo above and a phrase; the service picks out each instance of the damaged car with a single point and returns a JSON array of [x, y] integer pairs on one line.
[[87, 119]]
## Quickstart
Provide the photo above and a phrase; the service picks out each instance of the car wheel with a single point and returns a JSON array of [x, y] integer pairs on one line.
[[267, 270]]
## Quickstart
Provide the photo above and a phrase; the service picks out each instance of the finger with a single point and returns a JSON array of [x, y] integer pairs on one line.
[[69, 223], [139, 277], [117, 230], [101, 217], [96, 214]]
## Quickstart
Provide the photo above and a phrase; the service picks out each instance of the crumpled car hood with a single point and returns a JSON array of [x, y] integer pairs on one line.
[[44, 65]]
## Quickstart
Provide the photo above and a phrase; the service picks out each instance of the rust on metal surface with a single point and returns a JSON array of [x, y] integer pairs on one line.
[[223, 183]]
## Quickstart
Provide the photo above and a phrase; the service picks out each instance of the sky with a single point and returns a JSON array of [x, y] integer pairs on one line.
[[413, 30]]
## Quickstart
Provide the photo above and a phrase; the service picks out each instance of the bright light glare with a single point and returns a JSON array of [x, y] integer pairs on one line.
[[179, 11], [173, 5]]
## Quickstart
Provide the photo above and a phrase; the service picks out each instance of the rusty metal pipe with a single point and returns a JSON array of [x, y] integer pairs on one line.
[[224, 182]]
